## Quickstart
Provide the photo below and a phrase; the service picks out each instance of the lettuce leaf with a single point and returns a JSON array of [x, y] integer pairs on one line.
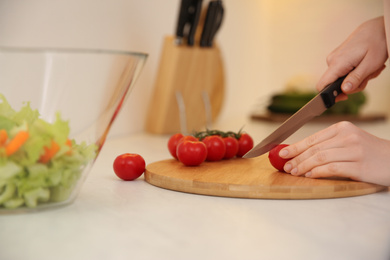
[[24, 180]]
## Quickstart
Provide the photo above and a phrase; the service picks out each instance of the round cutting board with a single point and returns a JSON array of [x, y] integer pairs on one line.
[[249, 178]]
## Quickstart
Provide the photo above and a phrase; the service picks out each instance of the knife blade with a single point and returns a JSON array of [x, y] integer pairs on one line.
[[212, 23], [315, 107]]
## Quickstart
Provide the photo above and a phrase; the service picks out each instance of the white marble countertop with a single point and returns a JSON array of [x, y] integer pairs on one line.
[[112, 219]]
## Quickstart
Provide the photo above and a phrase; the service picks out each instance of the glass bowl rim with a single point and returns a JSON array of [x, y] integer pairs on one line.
[[71, 50]]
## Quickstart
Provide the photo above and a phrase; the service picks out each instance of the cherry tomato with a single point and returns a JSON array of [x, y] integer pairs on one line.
[[216, 147], [275, 159], [173, 142], [191, 153], [129, 166], [245, 143], [231, 144]]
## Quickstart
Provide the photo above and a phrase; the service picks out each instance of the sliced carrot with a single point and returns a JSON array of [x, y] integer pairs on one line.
[[69, 143], [19, 139], [3, 137], [49, 152]]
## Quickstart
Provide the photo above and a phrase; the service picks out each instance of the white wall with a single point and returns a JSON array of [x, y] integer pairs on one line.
[[264, 42]]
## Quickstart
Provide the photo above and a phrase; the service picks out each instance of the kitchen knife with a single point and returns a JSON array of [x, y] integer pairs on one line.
[[188, 21], [212, 23], [315, 107]]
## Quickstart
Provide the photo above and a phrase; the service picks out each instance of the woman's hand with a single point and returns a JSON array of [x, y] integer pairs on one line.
[[362, 55], [342, 150]]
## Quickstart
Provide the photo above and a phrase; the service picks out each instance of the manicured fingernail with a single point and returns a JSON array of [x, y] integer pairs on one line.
[[308, 174], [287, 167], [347, 86], [294, 171], [283, 153]]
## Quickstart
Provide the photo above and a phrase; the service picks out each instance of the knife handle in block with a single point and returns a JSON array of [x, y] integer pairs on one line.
[[330, 92]]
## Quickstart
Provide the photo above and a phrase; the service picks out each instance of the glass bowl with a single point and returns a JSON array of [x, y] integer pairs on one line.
[[56, 109]]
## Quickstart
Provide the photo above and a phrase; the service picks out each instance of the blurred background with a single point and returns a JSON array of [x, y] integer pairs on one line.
[[264, 43]]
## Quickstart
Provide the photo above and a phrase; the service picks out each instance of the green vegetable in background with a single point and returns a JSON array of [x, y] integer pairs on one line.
[[38, 162], [291, 102]]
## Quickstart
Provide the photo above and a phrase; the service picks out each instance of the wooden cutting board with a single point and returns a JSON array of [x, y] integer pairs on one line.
[[249, 178]]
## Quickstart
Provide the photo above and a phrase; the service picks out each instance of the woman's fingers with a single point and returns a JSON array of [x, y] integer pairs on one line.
[[362, 56], [318, 157], [357, 75], [333, 72], [301, 146], [358, 78], [318, 153], [335, 169], [342, 150]]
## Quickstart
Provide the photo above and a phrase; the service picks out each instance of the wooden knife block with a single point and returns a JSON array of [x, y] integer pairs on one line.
[[190, 72]]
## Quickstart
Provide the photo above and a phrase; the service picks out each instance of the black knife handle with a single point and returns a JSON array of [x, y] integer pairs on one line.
[[189, 14], [212, 23], [183, 17], [196, 10], [330, 92], [217, 23]]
